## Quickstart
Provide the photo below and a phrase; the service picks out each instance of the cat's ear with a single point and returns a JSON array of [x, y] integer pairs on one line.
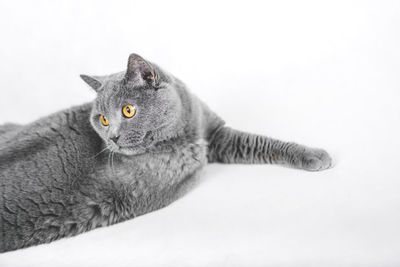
[[93, 81], [140, 70]]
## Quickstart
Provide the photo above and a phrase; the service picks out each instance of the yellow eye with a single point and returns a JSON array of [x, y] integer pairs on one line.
[[104, 120], [129, 111]]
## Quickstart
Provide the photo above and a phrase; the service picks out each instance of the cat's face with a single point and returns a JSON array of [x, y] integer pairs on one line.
[[134, 109]]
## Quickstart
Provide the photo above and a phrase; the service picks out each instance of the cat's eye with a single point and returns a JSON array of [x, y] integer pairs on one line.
[[104, 120], [128, 111]]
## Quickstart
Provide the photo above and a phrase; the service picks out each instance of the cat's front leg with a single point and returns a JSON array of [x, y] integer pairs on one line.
[[227, 145]]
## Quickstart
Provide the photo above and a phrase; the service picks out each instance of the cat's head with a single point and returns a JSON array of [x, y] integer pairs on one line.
[[134, 109]]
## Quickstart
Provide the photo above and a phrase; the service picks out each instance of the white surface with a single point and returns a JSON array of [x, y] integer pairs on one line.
[[322, 73]]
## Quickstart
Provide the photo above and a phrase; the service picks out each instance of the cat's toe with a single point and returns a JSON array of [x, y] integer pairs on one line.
[[316, 160]]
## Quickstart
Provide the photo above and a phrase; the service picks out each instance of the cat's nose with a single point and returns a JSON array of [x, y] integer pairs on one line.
[[115, 138]]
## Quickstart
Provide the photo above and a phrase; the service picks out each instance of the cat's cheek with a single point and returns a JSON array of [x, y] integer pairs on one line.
[[99, 129]]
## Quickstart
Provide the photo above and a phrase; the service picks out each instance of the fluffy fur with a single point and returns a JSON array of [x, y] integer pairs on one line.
[[67, 173]]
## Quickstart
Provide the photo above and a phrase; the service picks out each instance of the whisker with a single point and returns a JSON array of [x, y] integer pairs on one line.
[[112, 162], [109, 161], [101, 151]]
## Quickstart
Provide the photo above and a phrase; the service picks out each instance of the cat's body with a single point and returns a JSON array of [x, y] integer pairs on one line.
[[60, 176]]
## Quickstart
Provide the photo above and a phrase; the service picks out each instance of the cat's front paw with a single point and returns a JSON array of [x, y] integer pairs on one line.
[[315, 160]]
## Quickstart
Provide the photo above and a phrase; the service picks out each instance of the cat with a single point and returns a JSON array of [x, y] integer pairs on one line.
[[135, 149]]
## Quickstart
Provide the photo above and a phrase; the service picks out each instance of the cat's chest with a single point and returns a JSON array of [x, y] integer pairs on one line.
[[168, 165]]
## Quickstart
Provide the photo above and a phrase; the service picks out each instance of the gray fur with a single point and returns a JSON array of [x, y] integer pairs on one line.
[[62, 175]]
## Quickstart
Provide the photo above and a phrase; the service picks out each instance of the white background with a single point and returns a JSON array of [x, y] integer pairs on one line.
[[321, 73]]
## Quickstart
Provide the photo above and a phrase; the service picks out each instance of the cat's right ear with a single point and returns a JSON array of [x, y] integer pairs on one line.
[[92, 81]]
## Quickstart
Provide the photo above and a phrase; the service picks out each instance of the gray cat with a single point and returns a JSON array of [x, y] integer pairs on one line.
[[136, 148]]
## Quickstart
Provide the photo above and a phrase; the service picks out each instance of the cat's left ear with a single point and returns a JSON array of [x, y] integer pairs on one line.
[[93, 81]]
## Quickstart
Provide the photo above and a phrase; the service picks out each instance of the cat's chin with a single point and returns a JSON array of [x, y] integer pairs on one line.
[[130, 150]]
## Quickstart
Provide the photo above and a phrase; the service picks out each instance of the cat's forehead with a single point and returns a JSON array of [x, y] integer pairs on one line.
[[111, 87], [116, 93]]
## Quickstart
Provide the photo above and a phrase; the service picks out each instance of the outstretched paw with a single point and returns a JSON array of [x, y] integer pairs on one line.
[[316, 160]]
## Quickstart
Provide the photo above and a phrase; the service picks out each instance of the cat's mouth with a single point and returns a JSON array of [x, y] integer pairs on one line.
[[137, 147], [141, 145]]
